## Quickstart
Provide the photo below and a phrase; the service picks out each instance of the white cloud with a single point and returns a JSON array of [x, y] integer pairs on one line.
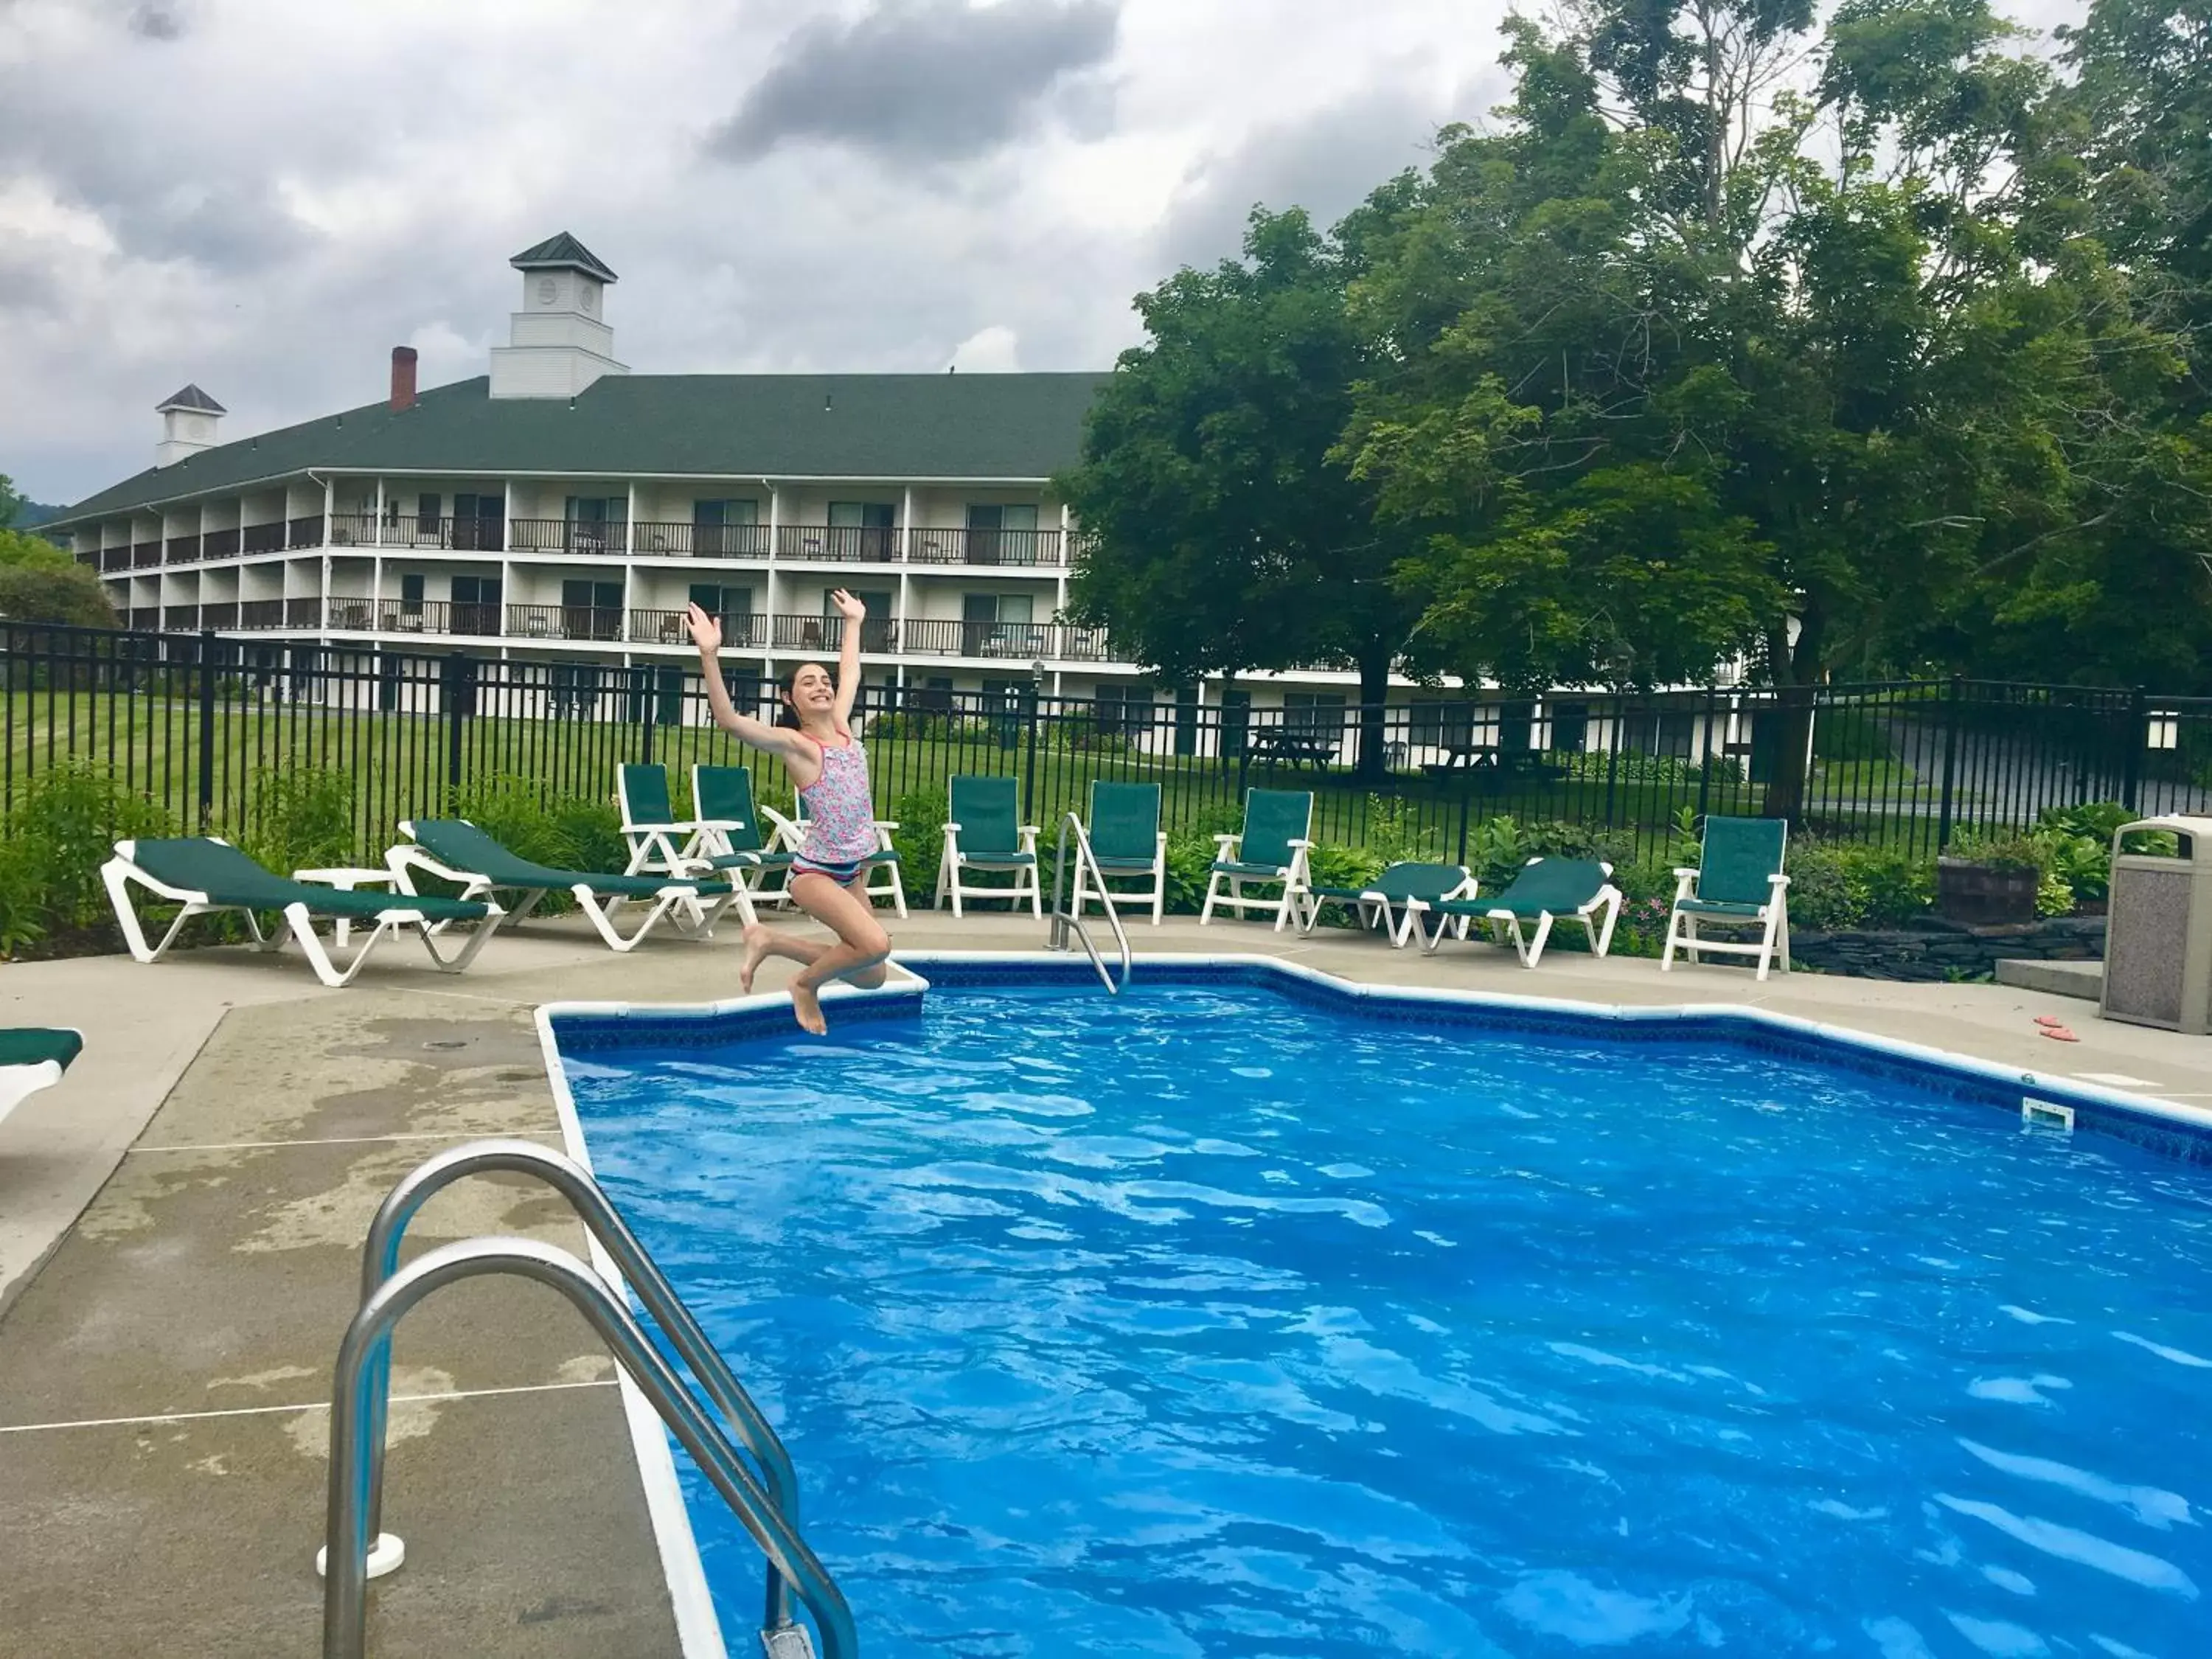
[[264, 198]]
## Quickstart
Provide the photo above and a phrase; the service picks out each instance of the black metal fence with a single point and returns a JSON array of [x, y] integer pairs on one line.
[[203, 725]]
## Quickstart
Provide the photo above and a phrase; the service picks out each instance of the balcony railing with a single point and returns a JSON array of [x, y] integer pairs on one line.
[[219, 543], [176, 617], [838, 543], [143, 618], [666, 627], [569, 536], [982, 546], [305, 612], [478, 535], [305, 532], [701, 541], [224, 615], [180, 549], [144, 554], [828, 634], [115, 558], [262, 539], [353, 529], [947, 637], [563, 622], [261, 613]]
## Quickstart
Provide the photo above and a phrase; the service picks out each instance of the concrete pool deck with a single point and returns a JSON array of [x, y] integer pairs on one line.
[[181, 1224]]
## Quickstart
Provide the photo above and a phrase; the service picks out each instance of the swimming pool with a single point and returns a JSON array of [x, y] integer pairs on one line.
[[1236, 1317]]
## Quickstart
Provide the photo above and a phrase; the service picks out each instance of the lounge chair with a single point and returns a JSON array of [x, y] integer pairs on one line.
[[660, 842], [1546, 891], [32, 1058], [1127, 842], [881, 867], [729, 839], [1739, 883], [1386, 901], [1271, 848], [206, 874], [453, 849], [986, 833]]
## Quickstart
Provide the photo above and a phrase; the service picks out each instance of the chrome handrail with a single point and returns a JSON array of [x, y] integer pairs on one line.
[[380, 1259], [1063, 920], [361, 1379]]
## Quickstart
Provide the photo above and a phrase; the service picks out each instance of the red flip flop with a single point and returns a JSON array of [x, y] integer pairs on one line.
[[2059, 1034], [2051, 1021]]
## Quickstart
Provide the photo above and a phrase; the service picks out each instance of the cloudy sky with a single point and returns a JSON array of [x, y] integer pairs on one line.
[[263, 197]]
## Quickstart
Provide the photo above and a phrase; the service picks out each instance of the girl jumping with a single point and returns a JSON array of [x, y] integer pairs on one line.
[[828, 876]]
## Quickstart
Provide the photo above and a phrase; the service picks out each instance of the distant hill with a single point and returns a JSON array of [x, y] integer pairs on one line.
[[33, 514]]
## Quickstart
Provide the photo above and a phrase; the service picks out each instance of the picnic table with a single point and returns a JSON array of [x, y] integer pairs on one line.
[[1480, 762], [1275, 743]]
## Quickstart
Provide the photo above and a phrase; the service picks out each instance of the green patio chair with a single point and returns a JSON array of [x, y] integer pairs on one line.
[[32, 1058], [880, 870], [1127, 843], [453, 849], [986, 832], [206, 874], [730, 841], [660, 842], [1386, 901], [1271, 849], [1546, 891], [1738, 884]]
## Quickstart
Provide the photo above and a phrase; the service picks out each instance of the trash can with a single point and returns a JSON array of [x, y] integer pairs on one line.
[[2158, 930]]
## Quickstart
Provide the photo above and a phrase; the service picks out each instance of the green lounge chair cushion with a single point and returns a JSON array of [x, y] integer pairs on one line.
[[1409, 879], [1557, 887], [751, 861], [1250, 871], [1113, 864], [1125, 824], [988, 812], [199, 864], [1720, 908], [1274, 818], [34, 1045], [459, 845], [1740, 855], [724, 795], [645, 795]]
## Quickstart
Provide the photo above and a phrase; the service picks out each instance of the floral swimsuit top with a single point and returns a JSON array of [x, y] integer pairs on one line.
[[841, 818]]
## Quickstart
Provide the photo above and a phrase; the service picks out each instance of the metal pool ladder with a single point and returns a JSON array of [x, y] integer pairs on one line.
[[765, 1504], [1064, 917]]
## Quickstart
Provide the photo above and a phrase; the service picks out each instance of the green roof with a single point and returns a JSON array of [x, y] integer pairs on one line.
[[744, 426], [562, 252]]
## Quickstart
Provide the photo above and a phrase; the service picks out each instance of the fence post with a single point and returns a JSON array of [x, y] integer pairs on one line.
[[1950, 759], [456, 668], [1466, 792], [1705, 762], [2131, 756], [207, 730], [1029, 766], [1613, 753]]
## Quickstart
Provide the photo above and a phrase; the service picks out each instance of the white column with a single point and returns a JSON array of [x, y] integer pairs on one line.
[[905, 587], [630, 524], [377, 540], [774, 536]]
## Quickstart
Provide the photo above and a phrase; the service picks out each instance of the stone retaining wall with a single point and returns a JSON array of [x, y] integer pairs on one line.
[[1933, 949]]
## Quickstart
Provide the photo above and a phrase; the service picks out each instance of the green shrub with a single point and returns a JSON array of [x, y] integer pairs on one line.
[[305, 819], [1835, 886], [920, 837], [64, 827], [1394, 837]]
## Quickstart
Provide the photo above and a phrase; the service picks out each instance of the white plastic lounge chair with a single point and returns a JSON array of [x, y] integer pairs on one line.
[[881, 867], [660, 842], [1740, 884], [206, 874], [986, 833], [1271, 848], [1128, 843], [453, 849], [32, 1058], [729, 838], [1387, 902], [1546, 891]]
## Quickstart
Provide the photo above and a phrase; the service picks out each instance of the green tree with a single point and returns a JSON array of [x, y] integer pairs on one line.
[[11, 502], [39, 583], [1220, 536]]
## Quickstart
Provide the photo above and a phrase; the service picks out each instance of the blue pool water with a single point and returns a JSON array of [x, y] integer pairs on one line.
[[1209, 1323]]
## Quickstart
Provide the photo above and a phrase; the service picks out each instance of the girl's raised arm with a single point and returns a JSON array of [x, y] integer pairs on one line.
[[707, 634], [854, 612]]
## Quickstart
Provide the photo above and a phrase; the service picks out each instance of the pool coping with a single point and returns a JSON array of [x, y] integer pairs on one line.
[[2160, 1127]]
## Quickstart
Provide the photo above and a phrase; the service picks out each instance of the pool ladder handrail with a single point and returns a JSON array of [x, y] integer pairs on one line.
[[776, 1488], [1064, 918]]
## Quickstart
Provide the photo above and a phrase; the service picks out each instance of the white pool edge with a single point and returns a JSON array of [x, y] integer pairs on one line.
[[699, 1631]]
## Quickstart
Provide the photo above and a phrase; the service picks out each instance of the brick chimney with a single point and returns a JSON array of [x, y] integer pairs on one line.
[[403, 378]]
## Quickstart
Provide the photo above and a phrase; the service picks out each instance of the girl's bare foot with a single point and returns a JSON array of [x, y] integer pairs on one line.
[[807, 1009], [757, 940]]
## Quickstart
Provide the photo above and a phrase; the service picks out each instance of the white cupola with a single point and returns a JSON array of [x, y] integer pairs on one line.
[[188, 423], [559, 343]]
